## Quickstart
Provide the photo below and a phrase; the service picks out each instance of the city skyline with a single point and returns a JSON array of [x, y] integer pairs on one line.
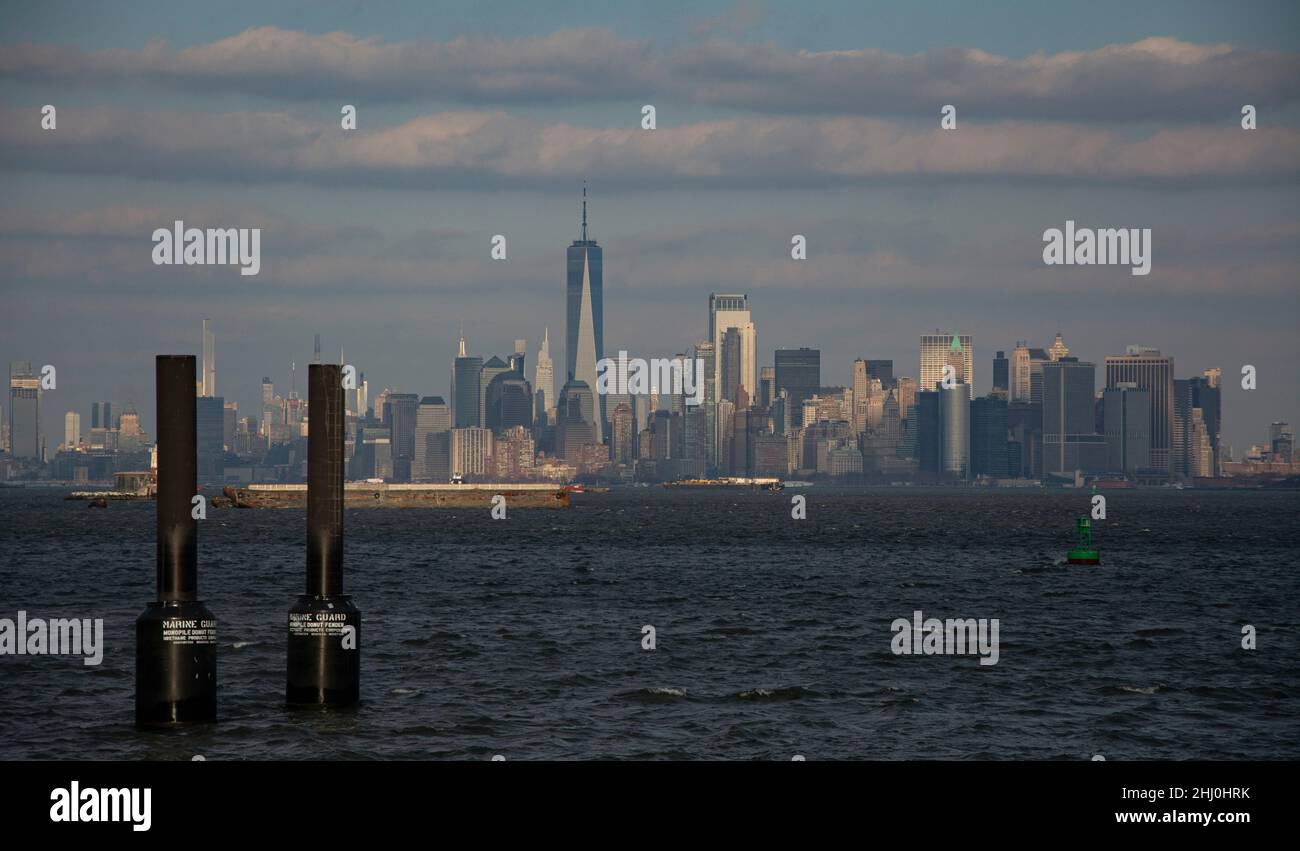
[[381, 242]]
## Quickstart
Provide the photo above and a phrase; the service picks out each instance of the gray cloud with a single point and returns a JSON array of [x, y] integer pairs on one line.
[[1158, 78], [494, 149], [110, 247]]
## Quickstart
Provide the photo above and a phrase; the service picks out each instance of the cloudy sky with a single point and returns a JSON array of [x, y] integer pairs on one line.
[[482, 118]]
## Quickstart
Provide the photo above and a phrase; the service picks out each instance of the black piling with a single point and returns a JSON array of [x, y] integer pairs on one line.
[[324, 667], [176, 636]]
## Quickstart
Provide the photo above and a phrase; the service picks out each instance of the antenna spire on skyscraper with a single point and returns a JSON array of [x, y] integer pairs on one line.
[[462, 339], [584, 211]]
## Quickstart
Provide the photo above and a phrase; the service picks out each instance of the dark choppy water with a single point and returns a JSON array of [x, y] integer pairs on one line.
[[523, 637]]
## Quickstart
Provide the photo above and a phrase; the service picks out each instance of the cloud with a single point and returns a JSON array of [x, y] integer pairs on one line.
[[495, 149], [901, 259], [1157, 78]]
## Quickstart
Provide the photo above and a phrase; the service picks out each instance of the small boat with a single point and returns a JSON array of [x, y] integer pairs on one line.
[[1083, 552]]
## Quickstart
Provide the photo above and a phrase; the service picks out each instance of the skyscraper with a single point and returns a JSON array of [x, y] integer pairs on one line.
[[1127, 421], [882, 371], [861, 392], [492, 367], [508, 402], [71, 429], [799, 374], [621, 445], [466, 390], [544, 379], [1020, 386], [1070, 438], [1058, 349], [938, 350], [730, 359], [25, 438], [210, 415], [574, 426], [432, 462], [766, 386], [585, 323], [1149, 370], [731, 310], [470, 450], [1207, 396], [988, 437], [929, 434], [954, 415], [209, 361], [400, 416], [1001, 377], [704, 351]]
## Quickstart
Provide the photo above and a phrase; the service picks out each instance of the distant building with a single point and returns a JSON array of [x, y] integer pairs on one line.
[[544, 380], [432, 460], [954, 408], [25, 437], [1059, 349], [929, 434], [400, 417], [584, 343], [766, 386], [1127, 422], [989, 452], [508, 402], [1149, 370], [1001, 377], [71, 429], [575, 425], [940, 350], [466, 389], [622, 434], [210, 419], [513, 453], [1070, 439], [882, 371], [799, 374], [470, 450], [726, 311]]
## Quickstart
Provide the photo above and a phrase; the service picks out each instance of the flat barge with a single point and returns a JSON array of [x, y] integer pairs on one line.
[[383, 495]]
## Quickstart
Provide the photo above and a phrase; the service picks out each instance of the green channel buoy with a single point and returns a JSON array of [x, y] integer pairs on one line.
[[1083, 552]]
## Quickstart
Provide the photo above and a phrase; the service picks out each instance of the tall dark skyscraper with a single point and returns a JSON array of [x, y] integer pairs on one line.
[[1070, 438], [1001, 376], [400, 417], [210, 416], [466, 389], [882, 371], [988, 437], [929, 433], [799, 373], [1127, 423], [730, 365], [584, 340]]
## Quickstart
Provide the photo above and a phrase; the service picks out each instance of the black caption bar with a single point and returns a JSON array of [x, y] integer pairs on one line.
[[156, 799]]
